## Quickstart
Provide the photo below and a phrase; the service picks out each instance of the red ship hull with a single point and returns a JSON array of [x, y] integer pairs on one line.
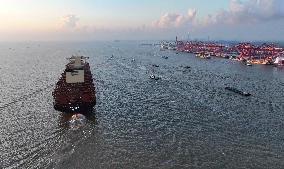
[[75, 108], [75, 96]]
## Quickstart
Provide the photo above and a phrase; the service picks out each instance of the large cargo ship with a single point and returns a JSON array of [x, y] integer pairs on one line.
[[75, 90]]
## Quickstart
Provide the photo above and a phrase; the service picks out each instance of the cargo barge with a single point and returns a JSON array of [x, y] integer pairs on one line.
[[75, 90]]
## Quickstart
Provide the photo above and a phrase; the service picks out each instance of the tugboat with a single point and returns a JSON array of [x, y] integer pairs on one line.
[[75, 90]]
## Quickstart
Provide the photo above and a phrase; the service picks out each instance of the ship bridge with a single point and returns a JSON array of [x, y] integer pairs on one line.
[[75, 69]]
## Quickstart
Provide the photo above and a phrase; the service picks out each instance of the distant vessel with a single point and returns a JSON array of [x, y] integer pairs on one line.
[[279, 61], [246, 62], [75, 90], [203, 55], [165, 57], [237, 91], [154, 77], [167, 45]]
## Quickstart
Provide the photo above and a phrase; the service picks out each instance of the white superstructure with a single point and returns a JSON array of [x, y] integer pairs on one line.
[[75, 72]]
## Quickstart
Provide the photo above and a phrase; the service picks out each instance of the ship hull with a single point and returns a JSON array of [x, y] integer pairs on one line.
[[75, 107]]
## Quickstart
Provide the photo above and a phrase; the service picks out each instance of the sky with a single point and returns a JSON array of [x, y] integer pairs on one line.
[[84, 20]]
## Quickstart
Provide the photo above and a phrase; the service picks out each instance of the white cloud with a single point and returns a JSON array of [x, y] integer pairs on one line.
[[250, 12], [69, 21], [239, 12], [170, 20], [243, 19]]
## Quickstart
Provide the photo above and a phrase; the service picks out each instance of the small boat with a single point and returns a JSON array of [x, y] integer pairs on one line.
[[168, 45], [267, 62], [246, 62], [154, 65], [154, 77], [279, 62], [187, 67], [237, 91], [165, 57], [203, 55]]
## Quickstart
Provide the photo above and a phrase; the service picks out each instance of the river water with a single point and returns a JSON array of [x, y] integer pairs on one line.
[[184, 120]]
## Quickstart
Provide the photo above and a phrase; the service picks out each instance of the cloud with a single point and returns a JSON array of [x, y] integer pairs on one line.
[[170, 20], [243, 19], [249, 12], [69, 21], [239, 12]]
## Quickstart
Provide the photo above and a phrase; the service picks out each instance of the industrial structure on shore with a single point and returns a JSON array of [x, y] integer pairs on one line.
[[247, 53]]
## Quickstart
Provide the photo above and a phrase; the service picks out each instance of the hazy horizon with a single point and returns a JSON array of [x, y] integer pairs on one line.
[[72, 20]]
